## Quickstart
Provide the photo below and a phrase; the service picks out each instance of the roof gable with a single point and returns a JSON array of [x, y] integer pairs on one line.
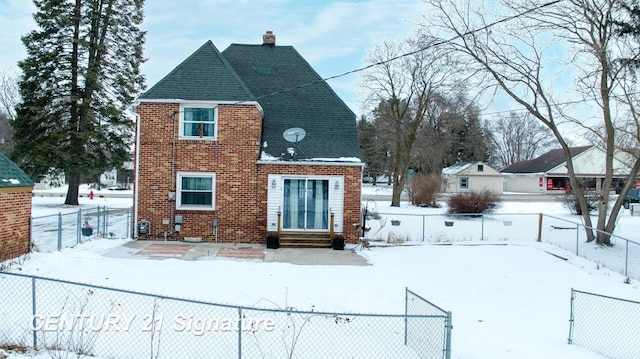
[[293, 95], [11, 175], [545, 162], [470, 169], [203, 76]]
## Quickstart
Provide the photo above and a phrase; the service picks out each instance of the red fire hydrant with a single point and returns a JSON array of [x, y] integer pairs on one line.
[[91, 195]]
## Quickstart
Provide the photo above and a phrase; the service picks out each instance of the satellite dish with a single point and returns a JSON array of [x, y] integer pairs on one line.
[[294, 135]]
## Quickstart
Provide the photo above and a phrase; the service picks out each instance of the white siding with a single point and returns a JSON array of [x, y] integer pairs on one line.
[[274, 199], [524, 182], [336, 202]]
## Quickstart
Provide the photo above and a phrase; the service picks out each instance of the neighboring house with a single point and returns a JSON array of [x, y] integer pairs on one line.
[[548, 173], [15, 195], [471, 176], [233, 145]]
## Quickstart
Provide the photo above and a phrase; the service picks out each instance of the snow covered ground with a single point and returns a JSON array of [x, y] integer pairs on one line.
[[510, 297]]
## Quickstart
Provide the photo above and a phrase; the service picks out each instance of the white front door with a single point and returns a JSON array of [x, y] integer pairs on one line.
[[305, 204]]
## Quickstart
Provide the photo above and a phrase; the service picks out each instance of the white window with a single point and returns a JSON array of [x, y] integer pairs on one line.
[[464, 182], [199, 121], [196, 191]]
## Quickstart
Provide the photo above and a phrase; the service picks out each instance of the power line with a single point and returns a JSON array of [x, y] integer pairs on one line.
[[439, 43], [574, 102]]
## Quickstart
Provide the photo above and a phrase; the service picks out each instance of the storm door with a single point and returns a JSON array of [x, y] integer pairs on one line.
[[306, 204]]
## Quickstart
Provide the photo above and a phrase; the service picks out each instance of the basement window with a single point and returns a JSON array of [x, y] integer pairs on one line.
[[199, 122], [196, 191]]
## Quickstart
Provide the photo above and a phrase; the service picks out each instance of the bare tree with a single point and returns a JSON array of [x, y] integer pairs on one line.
[[517, 137], [450, 133], [9, 93], [402, 90], [519, 55]]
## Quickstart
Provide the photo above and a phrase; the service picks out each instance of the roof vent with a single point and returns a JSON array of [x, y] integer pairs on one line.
[[269, 39]]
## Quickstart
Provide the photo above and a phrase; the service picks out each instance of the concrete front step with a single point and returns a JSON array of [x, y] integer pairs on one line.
[[305, 243], [305, 240]]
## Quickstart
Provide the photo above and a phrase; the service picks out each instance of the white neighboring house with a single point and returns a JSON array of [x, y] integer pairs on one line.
[[548, 173], [111, 178], [471, 176]]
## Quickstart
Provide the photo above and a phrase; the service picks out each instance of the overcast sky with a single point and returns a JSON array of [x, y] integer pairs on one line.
[[334, 36]]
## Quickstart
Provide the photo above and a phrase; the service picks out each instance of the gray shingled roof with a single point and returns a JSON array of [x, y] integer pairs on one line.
[[11, 175], [293, 95], [203, 76], [545, 162]]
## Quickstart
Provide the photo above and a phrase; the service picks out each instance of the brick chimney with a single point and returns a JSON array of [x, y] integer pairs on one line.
[[269, 39]]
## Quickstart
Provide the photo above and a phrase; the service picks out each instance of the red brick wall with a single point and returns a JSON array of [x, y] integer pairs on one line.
[[232, 157], [241, 184], [15, 221]]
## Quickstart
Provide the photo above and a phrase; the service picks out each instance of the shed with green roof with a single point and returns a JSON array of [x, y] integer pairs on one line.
[[16, 192]]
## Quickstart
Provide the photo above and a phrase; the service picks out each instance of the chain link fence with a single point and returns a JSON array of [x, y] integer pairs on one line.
[[623, 256], [606, 325], [392, 228], [62, 317], [63, 230]]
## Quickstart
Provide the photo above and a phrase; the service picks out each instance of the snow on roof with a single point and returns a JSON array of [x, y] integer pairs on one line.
[[264, 156], [11, 180], [457, 168]]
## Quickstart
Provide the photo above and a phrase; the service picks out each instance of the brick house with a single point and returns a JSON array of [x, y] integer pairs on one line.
[[233, 145], [15, 195]]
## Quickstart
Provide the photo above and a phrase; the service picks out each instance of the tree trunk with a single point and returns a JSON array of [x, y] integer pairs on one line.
[[73, 191], [398, 186]]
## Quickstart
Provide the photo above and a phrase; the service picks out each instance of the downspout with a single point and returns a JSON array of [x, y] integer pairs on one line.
[[137, 172], [172, 203]]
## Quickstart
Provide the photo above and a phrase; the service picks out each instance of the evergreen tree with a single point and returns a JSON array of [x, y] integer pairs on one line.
[[81, 73], [631, 27]]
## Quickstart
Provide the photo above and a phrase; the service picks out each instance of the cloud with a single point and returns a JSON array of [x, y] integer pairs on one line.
[[333, 36]]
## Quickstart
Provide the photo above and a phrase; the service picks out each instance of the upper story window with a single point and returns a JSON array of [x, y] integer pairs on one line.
[[199, 122], [480, 168]]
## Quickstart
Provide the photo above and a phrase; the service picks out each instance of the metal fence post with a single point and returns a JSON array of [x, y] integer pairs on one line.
[[448, 326], [406, 312], [626, 259], [239, 333], [571, 317], [577, 237], [539, 227], [78, 225], [33, 313], [59, 231], [105, 223], [98, 218]]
